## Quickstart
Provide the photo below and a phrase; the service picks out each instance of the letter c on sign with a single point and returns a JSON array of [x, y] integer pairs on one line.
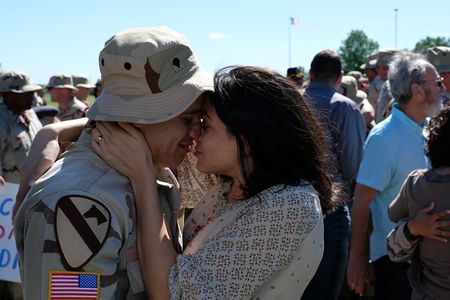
[[3, 210]]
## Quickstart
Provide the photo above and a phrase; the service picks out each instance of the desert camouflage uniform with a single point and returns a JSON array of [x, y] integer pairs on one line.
[[87, 223], [80, 216], [16, 134], [74, 110], [373, 91]]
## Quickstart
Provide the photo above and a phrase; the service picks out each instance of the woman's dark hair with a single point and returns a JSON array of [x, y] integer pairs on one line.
[[438, 142], [264, 110]]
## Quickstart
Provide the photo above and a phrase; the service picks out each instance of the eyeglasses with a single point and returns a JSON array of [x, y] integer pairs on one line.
[[439, 81]]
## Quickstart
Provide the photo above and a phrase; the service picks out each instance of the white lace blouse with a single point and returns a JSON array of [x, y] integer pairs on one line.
[[265, 247]]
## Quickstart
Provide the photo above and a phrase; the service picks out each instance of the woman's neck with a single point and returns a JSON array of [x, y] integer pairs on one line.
[[235, 194]]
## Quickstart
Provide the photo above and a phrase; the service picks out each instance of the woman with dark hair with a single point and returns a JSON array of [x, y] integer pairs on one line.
[[259, 232], [423, 238]]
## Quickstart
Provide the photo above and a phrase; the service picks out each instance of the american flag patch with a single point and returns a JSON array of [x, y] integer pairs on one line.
[[73, 285]]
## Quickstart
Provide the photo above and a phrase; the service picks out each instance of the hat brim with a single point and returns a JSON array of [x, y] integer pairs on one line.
[[151, 108], [63, 86], [26, 89], [86, 85], [371, 64]]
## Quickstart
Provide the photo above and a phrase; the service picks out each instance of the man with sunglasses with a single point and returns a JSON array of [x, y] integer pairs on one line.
[[393, 149]]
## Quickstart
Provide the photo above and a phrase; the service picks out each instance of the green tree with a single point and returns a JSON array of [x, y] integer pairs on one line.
[[355, 49], [428, 42]]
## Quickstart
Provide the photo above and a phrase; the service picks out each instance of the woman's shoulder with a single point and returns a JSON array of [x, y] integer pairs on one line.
[[300, 195]]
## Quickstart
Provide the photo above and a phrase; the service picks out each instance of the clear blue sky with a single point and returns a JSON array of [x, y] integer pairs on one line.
[[43, 38]]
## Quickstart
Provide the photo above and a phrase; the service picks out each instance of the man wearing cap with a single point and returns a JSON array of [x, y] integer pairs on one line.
[[18, 123], [296, 75], [348, 87], [84, 209], [439, 57], [369, 68], [61, 90], [381, 67], [382, 89], [83, 88], [345, 134], [18, 127], [361, 80]]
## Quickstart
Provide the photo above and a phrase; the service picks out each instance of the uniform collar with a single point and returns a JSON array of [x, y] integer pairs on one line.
[[19, 119]]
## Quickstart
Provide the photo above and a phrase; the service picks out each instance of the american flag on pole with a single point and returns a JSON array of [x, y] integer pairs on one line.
[[73, 285], [294, 21]]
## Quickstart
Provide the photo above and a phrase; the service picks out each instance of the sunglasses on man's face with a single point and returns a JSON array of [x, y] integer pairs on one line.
[[439, 81]]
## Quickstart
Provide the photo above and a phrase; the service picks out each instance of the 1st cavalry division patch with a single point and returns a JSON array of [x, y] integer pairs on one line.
[[81, 227]]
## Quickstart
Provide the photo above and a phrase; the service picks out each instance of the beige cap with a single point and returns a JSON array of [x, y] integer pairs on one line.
[[370, 62], [356, 74], [82, 81], [439, 57], [349, 86], [360, 96], [60, 82], [149, 75], [384, 57], [17, 82]]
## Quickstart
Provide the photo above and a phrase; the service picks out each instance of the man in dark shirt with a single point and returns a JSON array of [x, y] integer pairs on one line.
[[345, 133]]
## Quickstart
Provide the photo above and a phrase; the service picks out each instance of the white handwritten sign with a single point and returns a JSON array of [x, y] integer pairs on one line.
[[9, 261]]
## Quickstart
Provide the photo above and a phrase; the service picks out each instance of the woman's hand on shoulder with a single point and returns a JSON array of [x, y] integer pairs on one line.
[[123, 147]]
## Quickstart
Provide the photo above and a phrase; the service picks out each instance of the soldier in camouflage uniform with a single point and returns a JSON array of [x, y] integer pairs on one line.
[[83, 88], [381, 90], [79, 219], [440, 58], [369, 68], [381, 65], [18, 127], [18, 123], [61, 90]]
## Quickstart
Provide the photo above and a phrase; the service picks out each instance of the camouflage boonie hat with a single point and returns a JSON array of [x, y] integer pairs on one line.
[[384, 57], [370, 62], [82, 81], [360, 96], [439, 57], [17, 82], [349, 86], [60, 82], [149, 75]]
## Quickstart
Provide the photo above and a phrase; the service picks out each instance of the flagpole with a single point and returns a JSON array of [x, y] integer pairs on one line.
[[290, 25], [396, 10]]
